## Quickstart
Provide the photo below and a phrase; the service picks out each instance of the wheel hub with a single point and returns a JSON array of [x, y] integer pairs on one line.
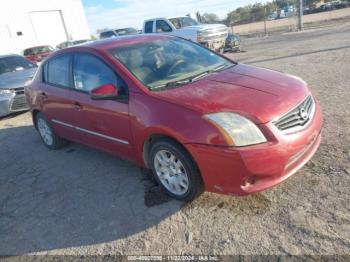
[[171, 172]]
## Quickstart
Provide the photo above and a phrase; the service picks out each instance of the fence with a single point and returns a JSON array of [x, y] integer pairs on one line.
[[291, 23]]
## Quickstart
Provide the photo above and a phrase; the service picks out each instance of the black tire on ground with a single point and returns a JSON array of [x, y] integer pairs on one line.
[[195, 186], [57, 142]]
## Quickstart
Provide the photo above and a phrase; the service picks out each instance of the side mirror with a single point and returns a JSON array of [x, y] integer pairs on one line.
[[104, 92]]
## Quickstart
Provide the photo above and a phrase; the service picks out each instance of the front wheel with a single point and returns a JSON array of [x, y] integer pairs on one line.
[[175, 170], [47, 134]]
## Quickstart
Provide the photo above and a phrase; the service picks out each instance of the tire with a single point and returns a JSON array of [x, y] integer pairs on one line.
[[47, 134], [182, 180]]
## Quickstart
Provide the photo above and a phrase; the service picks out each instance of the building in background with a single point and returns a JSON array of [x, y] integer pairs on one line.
[[40, 22]]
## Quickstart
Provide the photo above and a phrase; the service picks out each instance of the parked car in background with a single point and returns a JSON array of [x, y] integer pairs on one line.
[[37, 53], [233, 43], [196, 119], [118, 32], [212, 36], [71, 43], [15, 71]]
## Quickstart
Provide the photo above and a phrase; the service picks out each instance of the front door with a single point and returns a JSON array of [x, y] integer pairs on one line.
[[103, 123]]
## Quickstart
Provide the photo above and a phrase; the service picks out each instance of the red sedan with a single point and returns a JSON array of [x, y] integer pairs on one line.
[[198, 120], [37, 53]]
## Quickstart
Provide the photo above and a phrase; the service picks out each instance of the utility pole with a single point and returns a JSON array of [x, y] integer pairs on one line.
[[265, 28], [301, 10]]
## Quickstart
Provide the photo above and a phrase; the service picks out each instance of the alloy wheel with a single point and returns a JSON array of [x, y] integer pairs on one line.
[[171, 172]]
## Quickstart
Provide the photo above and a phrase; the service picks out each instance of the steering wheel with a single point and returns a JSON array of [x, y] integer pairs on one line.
[[176, 64]]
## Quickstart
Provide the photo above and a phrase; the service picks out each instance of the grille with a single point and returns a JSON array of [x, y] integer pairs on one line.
[[217, 33], [19, 90], [298, 116], [19, 102]]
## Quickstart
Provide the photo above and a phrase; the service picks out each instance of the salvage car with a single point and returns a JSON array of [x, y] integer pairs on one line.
[[15, 72], [37, 53], [233, 43], [198, 120], [118, 32], [71, 43]]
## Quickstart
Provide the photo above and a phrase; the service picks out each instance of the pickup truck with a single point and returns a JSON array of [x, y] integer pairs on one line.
[[212, 36]]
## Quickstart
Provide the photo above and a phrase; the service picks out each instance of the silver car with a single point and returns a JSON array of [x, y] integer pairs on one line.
[[15, 72]]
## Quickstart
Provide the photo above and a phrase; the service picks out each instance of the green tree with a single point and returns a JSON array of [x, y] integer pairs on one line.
[[210, 18]]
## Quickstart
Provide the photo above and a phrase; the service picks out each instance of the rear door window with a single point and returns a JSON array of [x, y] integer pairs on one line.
[[149, 27], [56, 71]]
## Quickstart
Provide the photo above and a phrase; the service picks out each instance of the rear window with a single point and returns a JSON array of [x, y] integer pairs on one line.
[[56, 71], [149, 27], [107, 34]]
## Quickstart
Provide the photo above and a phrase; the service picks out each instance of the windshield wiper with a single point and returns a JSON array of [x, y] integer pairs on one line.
[[219, 68], [192, 78]]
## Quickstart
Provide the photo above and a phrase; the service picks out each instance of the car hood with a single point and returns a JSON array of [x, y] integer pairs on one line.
[[16, 79], [259, 94], [203, 27]]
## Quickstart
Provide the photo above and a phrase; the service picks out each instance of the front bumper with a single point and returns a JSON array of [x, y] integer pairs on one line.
[[246, 170], [233, 48], [214, 45], [11, 103]]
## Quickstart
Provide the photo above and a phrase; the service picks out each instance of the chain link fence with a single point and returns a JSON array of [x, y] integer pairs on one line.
[[281, 21]]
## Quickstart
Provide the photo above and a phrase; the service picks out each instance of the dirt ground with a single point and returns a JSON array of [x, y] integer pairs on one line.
[[83, 202]]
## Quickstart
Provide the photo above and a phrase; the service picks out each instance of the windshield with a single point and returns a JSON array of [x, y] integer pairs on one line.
[[14, 63], [38, 50], [160, 62], [126, 31], [180, 22]]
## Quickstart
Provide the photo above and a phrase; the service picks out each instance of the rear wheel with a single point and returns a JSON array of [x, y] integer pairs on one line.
[[175, 170], [47, 134]]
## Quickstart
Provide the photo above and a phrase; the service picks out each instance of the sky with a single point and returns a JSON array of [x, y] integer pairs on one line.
[[131, 13]]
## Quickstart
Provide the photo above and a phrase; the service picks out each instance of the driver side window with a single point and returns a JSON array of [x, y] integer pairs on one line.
[[162, 27], [90, 72]]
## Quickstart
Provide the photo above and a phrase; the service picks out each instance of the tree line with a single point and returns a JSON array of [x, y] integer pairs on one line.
[[254, 13]]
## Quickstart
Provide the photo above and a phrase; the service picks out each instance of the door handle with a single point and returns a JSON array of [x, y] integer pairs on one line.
[[77, 105], [43, 95]]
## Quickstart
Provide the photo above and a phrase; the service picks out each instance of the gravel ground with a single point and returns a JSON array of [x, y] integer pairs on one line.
[[80, 201]]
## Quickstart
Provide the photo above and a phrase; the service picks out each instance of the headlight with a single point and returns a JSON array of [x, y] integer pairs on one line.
[[200, 37], [237, 130], [5, 91]]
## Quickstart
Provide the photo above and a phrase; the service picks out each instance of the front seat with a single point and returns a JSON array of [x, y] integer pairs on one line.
[[136, 66]]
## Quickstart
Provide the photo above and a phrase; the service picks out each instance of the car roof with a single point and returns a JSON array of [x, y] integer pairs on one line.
[[156, 18], [119, 41], [114, 29]]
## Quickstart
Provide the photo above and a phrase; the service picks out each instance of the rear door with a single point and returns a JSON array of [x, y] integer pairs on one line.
[[56, 95], [104, 124]]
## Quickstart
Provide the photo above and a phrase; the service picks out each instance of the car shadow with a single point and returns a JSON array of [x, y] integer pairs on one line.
[[78, 196], [12, 115], [70, 197]]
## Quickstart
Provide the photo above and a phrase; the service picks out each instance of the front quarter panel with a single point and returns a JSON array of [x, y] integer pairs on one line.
[[153, 116]]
